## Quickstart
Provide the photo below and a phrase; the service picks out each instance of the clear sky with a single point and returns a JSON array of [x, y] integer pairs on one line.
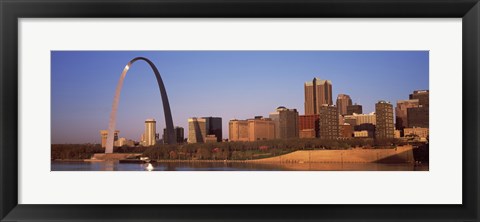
[[227, 84]]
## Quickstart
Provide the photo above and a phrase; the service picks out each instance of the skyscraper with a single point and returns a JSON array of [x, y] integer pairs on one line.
[[179, 135], [354, 109], [215, 127], [286, 123], [317, 93], [199, 128], [343, 101], [419, 116], [150, 132], [422, 96], [328, 122], [401, 120], [384, 118]]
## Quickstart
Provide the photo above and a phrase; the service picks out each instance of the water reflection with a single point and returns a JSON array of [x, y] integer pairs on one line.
[[226, 166]]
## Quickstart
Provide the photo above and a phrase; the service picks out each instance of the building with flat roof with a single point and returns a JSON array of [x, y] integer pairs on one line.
[[308, 126], [397, 134], [416, 131], [343, 101], [286, 123], [422, 96], [122, 141], [359, 119], [328, 122], [362, 134], [258, 128], [418, 117], [261, 128], [354, 109], [197, 130], [179, 135], [384, 120], [104, 135], [345, 131], [215, 127], [350, 119], [238, 130], [317, 93], [150, 133], [401, 120], [211, 138], [200, 127]]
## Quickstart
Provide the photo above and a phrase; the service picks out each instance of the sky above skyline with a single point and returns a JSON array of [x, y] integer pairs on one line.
[[227, 84]]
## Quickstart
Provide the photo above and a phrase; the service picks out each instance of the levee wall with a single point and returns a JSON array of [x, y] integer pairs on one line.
[[401, 154]]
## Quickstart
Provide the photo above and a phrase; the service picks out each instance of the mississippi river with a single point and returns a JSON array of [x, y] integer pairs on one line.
[[228, 166]]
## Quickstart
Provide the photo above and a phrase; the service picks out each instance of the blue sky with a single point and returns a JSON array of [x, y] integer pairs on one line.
[[227, 84]]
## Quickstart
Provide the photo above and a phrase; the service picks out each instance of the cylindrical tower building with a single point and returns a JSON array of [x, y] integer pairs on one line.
[[150, 132]]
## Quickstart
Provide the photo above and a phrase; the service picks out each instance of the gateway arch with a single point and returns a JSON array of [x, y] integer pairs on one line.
[[166, 106]]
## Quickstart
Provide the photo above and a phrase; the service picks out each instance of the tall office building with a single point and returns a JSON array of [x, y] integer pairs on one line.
[[328, 122], [343, 101], [354, 109], [199, 128], [150, 133], [179, 135], [238, 130], [215, 127], [104, 135], [422, 96], [419, 116], [308, 126], [317, 93], [286, 123], [384, 118], [401, 120]]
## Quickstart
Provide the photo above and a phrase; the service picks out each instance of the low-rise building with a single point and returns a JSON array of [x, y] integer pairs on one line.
[[211, 138], [258, 128], [416, 131], [346, 131], [362, 134], [308, 126], [261, 128], [397, 134], [238, 130]]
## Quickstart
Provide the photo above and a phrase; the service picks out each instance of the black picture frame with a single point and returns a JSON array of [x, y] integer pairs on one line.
[[11, 11]]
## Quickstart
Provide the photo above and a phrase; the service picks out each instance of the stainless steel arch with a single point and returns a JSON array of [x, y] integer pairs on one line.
[[166, 105]]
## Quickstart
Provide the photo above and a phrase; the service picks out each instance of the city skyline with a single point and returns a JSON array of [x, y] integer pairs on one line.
[[227, 84]]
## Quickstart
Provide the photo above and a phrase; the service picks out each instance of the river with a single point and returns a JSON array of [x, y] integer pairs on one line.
[[228, 166]]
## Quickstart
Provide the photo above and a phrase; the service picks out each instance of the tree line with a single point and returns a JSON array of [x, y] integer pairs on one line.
[[223, 150]]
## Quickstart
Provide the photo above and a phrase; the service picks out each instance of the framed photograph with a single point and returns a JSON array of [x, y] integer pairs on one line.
[[226, 110]]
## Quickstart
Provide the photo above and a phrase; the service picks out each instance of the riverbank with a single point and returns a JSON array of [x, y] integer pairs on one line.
[[400, 154]]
